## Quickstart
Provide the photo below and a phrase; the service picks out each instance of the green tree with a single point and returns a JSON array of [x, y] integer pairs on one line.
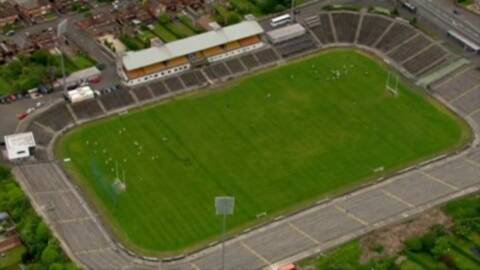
[[50, 254], [442, 247], [233, 18]]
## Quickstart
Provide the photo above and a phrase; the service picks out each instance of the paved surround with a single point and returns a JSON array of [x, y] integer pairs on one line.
[[300, 235]]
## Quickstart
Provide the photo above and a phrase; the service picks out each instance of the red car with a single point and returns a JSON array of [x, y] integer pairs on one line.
[[22, 116], [95, 79]]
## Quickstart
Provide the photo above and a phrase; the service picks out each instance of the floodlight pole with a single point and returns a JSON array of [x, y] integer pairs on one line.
[[223, 240], [293, 10], [224, 206], [61, 29], [64, 80]]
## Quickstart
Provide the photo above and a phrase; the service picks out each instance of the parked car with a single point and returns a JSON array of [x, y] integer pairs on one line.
[[95, 79], [45, 89], [22, 116]]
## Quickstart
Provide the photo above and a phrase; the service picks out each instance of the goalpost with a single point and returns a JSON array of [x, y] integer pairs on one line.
[[392, 86]]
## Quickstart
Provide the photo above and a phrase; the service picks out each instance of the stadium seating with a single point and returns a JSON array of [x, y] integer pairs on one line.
[[346, 25], [424, 60], [158, 88], [174, 84], [116, 100], [291, 47], [192, 78], [457, 83], [323, 31], [373, 26], [235, 66], [42, 136], [266, 56], [396, 35], [217, 71], [41, 154], [410, 48], [250, 61], [142, 93], [57, 117], [87, 109]]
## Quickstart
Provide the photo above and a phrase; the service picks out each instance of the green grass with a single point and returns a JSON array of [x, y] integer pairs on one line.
[[163, 33], [82, 61], [410, 265], [132, 43], [465, 2], [276, 141], [179, 29], [188, 22], [466, 208], [12, 257], [344, 257]]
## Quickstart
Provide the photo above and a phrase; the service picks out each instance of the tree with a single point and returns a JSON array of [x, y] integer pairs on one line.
[[233, 18], [442, 247], [42, 233], [414, 244], [4, 173], [267, 6], [51, 253]]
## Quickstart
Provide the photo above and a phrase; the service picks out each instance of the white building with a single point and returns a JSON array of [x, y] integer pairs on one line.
[[20, 145], [80, 94], [286, 33], [177, 56]]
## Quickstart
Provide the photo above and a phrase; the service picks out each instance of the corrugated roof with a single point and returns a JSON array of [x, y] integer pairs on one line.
[[182, 47], [19, 140], [292, 30], [466, 41]]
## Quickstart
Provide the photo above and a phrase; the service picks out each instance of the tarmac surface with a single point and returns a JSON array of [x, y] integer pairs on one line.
[[314, 230]]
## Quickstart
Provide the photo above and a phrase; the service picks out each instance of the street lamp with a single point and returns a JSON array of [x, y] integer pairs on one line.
[[61, 30], [224, 206]]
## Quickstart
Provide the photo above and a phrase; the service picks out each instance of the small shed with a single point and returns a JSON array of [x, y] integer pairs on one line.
[[286, 33], [20, 145]]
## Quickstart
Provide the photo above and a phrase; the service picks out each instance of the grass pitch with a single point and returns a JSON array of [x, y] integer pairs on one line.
[[275, 141]]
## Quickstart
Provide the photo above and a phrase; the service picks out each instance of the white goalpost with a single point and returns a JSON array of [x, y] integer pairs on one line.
[[392, 86]]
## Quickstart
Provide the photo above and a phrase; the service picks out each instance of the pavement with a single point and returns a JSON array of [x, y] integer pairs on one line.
[[311, 231], [441, 13]]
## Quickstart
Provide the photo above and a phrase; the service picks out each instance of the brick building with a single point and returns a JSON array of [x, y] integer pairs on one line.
[[8, 14], [31, 10]]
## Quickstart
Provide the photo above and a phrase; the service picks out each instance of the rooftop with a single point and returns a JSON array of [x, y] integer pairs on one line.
[[19, 140], [182, 47]]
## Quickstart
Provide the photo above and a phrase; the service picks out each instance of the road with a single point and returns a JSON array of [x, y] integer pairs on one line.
[[441, 13]]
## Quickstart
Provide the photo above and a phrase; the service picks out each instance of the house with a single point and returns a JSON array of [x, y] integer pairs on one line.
[[44, 39], [32, 10], [156, 8], [9, 238], [134, 11], [100, 23], [8, 14], [65, 6]]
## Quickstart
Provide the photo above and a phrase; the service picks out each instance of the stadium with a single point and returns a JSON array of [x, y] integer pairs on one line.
[[292, 120]]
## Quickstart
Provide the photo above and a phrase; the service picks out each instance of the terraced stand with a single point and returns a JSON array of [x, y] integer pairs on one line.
[[320, 227]]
